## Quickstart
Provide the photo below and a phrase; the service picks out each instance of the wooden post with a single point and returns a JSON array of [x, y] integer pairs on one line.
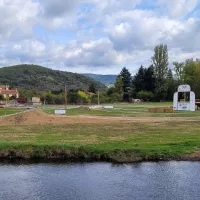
[[98, 98], [44, 100], [65, 97]]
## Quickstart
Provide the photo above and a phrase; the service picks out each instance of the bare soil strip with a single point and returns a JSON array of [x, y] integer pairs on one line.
[[38, 117]]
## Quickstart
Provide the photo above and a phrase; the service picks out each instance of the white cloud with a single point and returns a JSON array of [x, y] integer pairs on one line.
[[17, 16], [92, 53], [178, 8], [107, 35]]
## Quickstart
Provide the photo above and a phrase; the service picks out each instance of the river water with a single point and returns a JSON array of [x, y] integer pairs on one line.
[[101, 181]]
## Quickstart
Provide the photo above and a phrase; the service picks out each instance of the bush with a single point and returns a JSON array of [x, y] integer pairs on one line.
[[94, 99], [115, 97], [145, 95], [1, 97]]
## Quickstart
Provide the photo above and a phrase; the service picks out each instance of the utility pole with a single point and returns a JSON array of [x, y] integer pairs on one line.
[[44, 100], [65, 97], [98, 98]]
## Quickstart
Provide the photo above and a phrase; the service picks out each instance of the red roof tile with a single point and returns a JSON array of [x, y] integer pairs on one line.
[[9, 92]]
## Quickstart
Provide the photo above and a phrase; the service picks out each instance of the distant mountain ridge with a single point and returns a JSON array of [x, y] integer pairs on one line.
[[104, 79], [41, 78]]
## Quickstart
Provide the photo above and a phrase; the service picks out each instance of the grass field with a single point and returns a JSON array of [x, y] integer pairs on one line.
[[9, 111], [126, 110], [149, 140], [121, 142]]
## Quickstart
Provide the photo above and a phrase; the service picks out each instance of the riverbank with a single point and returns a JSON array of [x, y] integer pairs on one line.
[[119, 140], [34, 154]]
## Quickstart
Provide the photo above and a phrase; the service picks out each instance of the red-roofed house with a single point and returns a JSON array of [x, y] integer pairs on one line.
[[4, 87], [6, 92]]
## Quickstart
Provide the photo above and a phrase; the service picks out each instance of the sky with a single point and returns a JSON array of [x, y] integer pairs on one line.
[[97, 36]]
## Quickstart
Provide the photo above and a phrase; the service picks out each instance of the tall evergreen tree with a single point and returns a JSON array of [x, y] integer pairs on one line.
[[144, 80], [149, 79], [138, 80], [126, 81]]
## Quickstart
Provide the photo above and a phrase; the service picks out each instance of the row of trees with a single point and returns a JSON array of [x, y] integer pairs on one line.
[[158, 82], [78, 96]]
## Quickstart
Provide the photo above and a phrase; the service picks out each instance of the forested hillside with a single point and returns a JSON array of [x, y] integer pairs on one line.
[[45, 79]]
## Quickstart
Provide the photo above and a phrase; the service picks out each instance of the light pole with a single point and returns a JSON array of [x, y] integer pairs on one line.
[[65, 97]]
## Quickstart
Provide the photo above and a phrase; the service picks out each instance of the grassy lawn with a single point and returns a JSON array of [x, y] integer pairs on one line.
[[9, 111], [126, 110], [119, 142], [164, 139]]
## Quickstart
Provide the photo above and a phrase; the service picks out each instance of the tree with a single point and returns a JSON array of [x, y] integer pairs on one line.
[[138, 80], [143, 80], [92, 88], [126, 81], [145, 95], [73, 97], [169, 74], [171, 85], [179, 72], [149, 79], [111, 90], [119, 85], [83, 96], [160, 64], [115, 97], [192, 76]]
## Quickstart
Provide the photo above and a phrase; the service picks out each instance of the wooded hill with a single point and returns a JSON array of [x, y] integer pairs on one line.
[[44, 79]]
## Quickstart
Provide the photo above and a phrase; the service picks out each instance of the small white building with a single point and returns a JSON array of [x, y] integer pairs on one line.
[[184, 99]]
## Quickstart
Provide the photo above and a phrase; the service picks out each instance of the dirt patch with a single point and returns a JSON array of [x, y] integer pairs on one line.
[[192, 157], [38, 117]]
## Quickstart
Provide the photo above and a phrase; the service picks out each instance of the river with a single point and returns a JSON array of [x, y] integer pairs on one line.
[[101, 181]]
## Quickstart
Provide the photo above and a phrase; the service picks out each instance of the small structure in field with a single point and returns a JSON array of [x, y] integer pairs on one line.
[[161, 110], [136, 100], [184, 99], [108, 107], [60, 112], [36, 101], [22, 100]]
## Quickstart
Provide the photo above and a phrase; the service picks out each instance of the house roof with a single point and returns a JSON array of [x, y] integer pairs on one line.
[[90, 93], [9, 92]]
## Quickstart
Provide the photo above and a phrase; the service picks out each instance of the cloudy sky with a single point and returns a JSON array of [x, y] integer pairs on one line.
[[97, 36]]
